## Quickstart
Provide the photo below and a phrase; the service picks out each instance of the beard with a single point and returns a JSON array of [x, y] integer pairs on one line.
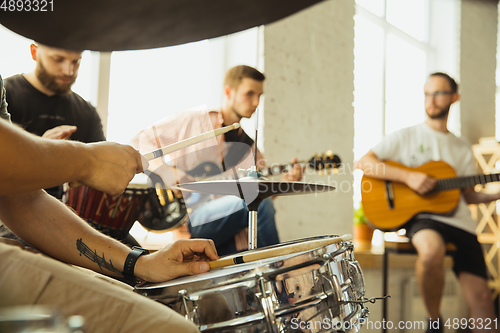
[[241, 113], [236, 112], [443, 113], [49, 81]]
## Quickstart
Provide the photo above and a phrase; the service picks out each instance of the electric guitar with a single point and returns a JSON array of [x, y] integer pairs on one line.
[[164, 210], [389, 205], [321, 163]]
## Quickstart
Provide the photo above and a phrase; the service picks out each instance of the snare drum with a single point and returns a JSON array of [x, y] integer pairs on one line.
[[112, 216], [316, 290]]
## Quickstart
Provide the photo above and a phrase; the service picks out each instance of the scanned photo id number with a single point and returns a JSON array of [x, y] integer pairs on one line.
[[27, 5], [471, 323]]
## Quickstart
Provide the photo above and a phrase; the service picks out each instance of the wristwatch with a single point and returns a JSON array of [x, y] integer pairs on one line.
[[128, 267]]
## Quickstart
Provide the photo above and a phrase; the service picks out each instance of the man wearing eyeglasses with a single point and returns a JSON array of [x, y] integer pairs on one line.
[[429, 233]]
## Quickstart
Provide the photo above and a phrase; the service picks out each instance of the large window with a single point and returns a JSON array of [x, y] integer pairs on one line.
[[146, 86], [391, 64], [142, 87], [390, 68]]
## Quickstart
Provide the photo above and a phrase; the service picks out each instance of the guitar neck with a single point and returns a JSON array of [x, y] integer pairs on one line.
[[279, 169], [318, 163], [445, 184], [211, 169]]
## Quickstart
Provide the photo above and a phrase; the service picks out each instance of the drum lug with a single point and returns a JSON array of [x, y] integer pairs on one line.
[[266, 303], [347, 247], [190, 315], [330, 288]]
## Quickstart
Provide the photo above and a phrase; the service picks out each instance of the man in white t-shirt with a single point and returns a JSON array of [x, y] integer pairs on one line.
[[429, 233]]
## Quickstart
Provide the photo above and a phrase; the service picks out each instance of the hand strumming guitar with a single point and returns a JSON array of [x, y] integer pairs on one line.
[[420, 182]]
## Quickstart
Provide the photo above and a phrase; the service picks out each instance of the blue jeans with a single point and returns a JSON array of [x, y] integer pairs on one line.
[[223, 218]]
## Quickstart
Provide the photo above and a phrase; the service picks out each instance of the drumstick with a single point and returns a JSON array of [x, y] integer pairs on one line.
[[250, 256], [188, 142], [181, 144]]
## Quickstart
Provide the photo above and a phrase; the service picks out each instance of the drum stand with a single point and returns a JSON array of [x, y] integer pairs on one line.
[[253, 207], [252, 223]]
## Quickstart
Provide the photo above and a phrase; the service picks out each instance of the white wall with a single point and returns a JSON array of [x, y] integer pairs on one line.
[[479, 25], [308, 109]]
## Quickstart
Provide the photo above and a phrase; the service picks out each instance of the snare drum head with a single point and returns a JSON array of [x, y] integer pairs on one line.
[[227, 275]]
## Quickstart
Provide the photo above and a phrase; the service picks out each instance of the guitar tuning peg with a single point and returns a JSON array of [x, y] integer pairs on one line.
[[160, 194], [170, 195], [329, 153]]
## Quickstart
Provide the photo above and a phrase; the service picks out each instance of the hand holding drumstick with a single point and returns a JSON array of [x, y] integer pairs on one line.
[[112, 166], [116, 160]]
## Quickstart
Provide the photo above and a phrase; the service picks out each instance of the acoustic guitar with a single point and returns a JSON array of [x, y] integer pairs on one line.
[[389, 205]]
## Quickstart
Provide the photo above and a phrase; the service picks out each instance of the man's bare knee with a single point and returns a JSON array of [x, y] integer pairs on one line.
[[429, 262], [430, 245]]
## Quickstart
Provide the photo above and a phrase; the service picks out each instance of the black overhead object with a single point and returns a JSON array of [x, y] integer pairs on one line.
[[114, 25]]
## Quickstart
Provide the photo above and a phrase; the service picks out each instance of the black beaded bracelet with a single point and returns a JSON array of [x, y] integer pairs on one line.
[[128, 267]]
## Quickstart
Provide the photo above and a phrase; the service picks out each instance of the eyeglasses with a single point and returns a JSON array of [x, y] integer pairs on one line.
[[438, 94]]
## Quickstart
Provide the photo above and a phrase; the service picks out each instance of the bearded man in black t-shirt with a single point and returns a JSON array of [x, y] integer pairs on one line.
[[43, 103]]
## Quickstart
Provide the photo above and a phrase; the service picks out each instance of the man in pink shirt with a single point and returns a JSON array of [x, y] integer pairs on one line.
[[225, 217]]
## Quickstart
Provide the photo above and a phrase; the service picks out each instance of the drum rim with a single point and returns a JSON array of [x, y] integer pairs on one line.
[[241, 272], [290, 242]]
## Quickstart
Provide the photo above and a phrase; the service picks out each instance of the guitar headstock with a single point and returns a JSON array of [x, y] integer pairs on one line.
[[324, 162]]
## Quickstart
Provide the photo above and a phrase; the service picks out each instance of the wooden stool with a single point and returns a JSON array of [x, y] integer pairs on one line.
[[402, 246]]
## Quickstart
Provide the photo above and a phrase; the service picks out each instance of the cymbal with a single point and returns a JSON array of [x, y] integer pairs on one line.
[[114, 25], [250, 188]]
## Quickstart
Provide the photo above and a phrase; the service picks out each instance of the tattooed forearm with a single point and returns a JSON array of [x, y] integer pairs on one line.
[[100, 261]]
